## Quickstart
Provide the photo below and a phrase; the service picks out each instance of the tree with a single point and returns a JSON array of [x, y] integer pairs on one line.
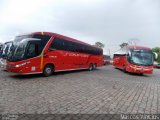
[[157, 50], [99, 44], [123, 45]]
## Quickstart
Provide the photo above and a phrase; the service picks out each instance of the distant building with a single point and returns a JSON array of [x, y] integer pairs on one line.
[[106, 59]]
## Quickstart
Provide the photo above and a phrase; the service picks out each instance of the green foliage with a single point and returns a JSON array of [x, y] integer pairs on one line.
[[157, 50], [123, 45], [99, 44]]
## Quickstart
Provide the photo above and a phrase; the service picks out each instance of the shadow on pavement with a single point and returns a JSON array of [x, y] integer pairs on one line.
[[133, 74], [41, 75]]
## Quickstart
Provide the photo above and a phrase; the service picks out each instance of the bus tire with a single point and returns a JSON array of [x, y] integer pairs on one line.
[[90, 67], [94, 66], [48, 70], [141, 74], [124, 69]]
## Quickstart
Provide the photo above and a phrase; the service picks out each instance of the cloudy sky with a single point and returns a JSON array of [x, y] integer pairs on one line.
[[108, 21]]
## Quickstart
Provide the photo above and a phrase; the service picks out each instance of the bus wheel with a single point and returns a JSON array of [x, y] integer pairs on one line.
[[141, 74], [124, 69], [90, 67], [94, 66], [48, 70]]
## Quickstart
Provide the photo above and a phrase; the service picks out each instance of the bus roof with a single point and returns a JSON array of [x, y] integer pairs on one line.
[[139, 47], [124, 50], [61, 36], [120, 53]]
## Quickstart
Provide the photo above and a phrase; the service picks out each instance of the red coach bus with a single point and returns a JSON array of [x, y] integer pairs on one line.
[[45, 52], [134, 59]]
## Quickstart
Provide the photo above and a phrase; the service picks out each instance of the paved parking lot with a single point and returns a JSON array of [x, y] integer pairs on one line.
[[106, 90]]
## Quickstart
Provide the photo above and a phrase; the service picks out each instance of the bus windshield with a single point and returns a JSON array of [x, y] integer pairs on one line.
[[27, 46], [19, 51], [142, 57]]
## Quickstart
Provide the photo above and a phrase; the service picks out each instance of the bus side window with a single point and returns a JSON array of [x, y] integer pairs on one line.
[[67, 45], [71, 46], [78, 48], [56, 44], [31, 50], [52, 45], [74, 47]]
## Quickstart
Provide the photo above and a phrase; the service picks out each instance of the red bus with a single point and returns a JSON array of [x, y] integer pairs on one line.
[[134, 59], [45, 52]]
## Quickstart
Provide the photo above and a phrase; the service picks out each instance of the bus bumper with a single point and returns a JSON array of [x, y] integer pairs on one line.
[[139, 69], [15, 70], [22, 70]]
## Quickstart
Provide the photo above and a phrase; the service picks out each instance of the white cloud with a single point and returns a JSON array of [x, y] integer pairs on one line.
[[20, 11]]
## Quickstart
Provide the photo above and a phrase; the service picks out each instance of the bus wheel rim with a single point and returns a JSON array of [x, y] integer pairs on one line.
[[48, 70]]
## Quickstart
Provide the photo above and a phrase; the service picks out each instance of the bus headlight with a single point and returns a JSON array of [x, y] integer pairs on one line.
[[19, 65], [133, 66]]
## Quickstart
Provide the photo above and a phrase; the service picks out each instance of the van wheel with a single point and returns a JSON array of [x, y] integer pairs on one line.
[[48, 70], [90, 67]]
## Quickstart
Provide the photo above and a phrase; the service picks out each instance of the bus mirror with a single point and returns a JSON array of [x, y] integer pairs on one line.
[[155, 55], [51, 49], [129, 53]]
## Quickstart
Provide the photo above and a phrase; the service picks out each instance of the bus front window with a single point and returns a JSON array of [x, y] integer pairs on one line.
[[19, 52], [27, 46], [142, 57]]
